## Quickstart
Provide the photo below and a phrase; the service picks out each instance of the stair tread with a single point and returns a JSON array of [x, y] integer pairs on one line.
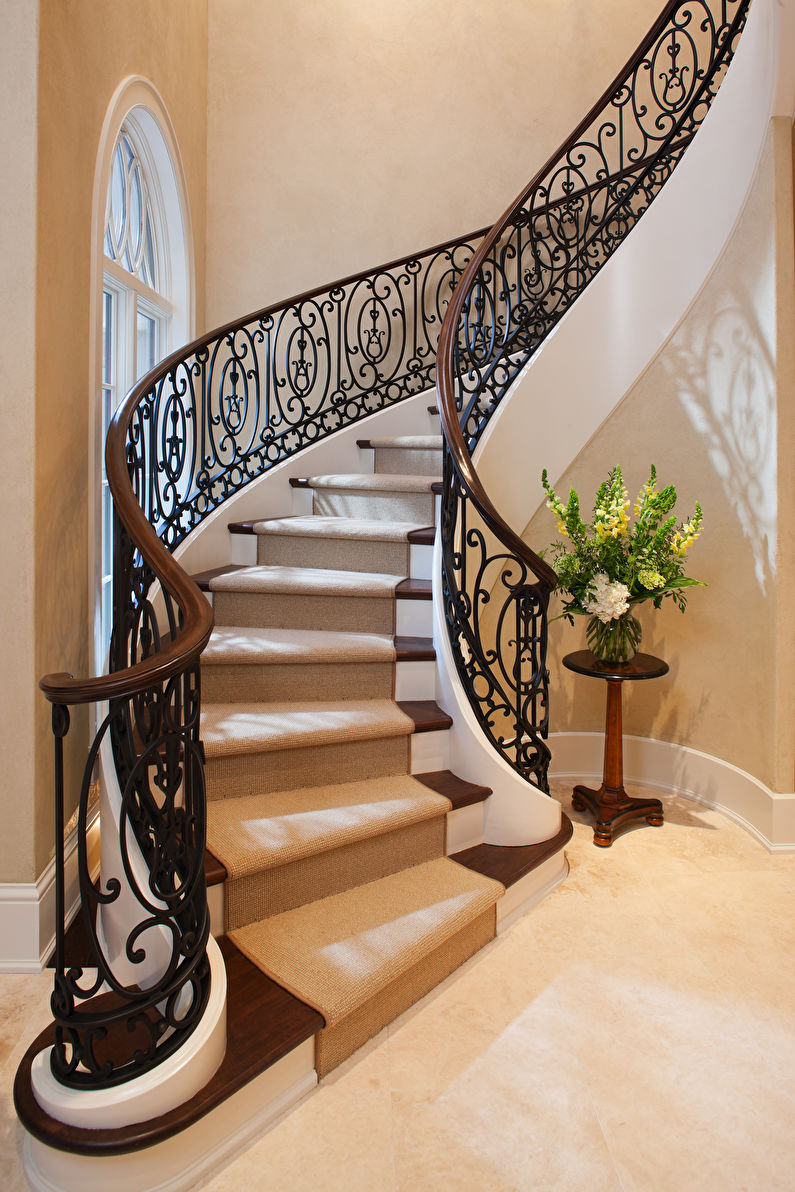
[[253, 833], [246, 728], [404, 442], [414, 589], [426, 714], [460, 792], [371, 482], [508, 863], [264, 1023], [321, 526], [415, 649], [354, 944], [248, 645], [284, 580]]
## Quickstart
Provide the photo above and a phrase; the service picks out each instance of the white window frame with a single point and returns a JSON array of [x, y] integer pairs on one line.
[[136, 104]]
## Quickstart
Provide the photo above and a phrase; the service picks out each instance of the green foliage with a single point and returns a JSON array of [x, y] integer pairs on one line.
[[647, 557]]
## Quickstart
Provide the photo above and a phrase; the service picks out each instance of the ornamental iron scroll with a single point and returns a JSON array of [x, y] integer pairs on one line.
[[524, 276], [107, 1029], [216, 416]]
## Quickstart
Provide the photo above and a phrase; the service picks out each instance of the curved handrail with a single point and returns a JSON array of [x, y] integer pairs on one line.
[[657, 101], [63, 688], [156, 819]]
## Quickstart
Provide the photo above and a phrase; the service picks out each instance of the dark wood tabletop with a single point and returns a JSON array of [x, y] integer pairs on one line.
[[642, 666]]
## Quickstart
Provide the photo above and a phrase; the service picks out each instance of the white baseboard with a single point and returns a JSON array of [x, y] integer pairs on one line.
[[523, 895], [679, 770], [27, 909]]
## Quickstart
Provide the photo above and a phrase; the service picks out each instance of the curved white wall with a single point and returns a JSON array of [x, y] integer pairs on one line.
[[633, 305]]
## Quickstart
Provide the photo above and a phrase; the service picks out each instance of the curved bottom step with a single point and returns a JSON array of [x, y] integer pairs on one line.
[[269, 1063]]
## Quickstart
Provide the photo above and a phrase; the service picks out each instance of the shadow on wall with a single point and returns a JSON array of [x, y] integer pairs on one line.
[[724, 378]]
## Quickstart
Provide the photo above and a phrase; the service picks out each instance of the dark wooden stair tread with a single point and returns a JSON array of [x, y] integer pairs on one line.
[[414, 589], [264, 1023], [460, 792], [506, 863], [426, 714], [202, 578], [214, 870], [414, 649]]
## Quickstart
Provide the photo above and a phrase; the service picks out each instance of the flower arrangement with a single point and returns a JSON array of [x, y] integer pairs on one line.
[[609, 566]]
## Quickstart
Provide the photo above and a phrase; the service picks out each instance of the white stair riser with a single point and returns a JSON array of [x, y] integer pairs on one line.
[[430, 751], [420, 562], [415, 680], [464, 828], [414, 618]]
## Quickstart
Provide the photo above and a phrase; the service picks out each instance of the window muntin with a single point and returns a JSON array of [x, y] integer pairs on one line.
[[129, 223], [136, 309]]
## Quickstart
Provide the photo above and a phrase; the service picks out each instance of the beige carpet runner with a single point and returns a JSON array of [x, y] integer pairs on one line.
[[264, 831], [263, 728], [353, 945], [338, 527], [338, 886]]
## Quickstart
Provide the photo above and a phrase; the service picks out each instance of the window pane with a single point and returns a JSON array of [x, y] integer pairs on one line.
[[147, 344], [117, 205], [107, 337]]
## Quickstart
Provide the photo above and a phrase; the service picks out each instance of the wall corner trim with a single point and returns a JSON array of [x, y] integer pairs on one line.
[[27, 909], [679, 770]]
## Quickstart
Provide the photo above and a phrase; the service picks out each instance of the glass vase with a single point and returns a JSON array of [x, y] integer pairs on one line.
[[614, 641]]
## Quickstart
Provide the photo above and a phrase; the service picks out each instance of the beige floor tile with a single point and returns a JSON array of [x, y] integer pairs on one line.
[[634, 1033], [511, 1113], [338, 1140], [24, 1009]]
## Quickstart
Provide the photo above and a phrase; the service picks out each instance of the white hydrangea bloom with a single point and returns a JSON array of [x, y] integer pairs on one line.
[[611, 599]]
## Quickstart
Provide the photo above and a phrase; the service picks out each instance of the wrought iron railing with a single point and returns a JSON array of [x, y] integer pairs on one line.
[[207, 421], [525, 275], [214, 416]]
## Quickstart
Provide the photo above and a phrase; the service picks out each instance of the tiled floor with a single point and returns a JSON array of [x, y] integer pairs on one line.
[[635, 1032]]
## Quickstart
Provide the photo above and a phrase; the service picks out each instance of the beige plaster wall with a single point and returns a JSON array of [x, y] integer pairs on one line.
[[85, 50], [18, 84], [705, 412], [344, 133]]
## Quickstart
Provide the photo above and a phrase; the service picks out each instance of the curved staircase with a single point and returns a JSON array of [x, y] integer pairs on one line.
[[346, 859], [318, 720]]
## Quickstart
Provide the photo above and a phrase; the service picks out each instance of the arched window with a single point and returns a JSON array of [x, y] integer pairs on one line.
[[144, 278]]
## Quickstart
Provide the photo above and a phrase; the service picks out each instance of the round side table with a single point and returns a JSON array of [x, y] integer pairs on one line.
[[611, 806]]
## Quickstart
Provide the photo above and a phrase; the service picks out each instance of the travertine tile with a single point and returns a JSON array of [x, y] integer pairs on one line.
[[634, 1033], [24, 1002], [338, 1140], [510, 1111]]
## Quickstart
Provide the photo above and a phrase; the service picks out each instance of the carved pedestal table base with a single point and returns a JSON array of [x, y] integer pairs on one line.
[[611, 806]]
